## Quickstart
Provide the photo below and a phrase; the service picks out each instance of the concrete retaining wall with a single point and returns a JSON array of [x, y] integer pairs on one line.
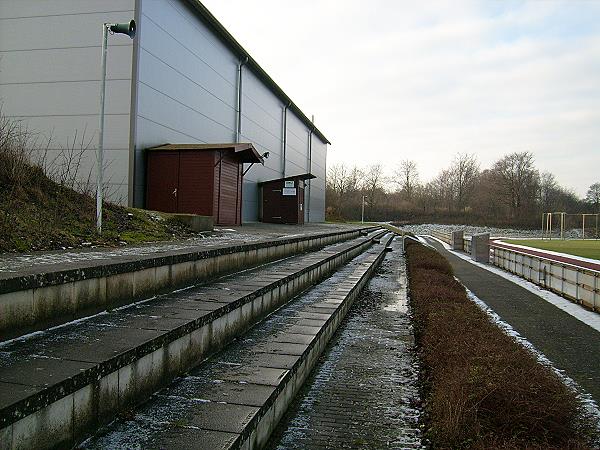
[[36, 302]]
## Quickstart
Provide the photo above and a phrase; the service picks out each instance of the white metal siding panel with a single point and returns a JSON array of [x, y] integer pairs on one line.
[[317, 185], [186, 85], [50, 77], [297, 146]]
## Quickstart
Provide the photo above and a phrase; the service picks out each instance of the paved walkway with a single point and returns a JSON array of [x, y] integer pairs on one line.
[[15, 264], [363, 393], [570, 344]]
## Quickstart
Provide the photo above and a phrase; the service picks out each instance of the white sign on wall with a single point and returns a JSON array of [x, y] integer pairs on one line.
[[289, 191]]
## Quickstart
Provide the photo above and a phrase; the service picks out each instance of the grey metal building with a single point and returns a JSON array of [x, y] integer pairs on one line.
[[183, 79]]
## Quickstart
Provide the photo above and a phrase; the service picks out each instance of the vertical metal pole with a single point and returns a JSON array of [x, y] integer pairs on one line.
[[362, 215], [99, 153], [583, 225], [543, 216]]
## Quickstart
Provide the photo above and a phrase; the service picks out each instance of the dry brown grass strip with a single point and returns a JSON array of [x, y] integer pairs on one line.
[[483, 389]]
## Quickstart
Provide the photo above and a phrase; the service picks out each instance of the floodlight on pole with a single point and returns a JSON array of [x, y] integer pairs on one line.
[[115, 28]]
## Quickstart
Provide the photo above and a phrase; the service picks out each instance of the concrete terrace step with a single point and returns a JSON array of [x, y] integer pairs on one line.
[[51, 291], [58, 386], [235, 399]]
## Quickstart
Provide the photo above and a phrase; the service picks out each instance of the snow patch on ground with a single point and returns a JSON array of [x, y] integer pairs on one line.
[[586, 400]]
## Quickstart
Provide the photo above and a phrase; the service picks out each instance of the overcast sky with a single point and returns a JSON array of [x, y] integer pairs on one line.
[[390, 80]]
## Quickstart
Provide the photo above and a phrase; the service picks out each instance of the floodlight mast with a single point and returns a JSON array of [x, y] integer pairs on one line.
[[117, 28]]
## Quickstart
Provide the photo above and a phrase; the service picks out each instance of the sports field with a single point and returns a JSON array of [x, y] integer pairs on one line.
[[587, 248]]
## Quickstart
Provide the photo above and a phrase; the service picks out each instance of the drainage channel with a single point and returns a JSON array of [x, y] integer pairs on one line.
[[363, 392], [236, 398]]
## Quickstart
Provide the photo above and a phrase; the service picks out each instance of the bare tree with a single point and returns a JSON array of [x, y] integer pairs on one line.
[[593, 196], [518, 181], [464, 172], [407, 177], [343, 185], [373, 183]]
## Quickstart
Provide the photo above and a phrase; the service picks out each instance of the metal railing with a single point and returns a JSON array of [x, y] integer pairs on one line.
[[576, 283]]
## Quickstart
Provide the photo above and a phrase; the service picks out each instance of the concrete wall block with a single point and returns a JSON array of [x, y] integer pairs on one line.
[[200, 342], [163, 277], [108, 401], [235, 323], [480, 247], [119, 288], [274, 298], [126, 386], [265, 426], [219, 332], [177, 359], [303, 370], [279, 407], [250, 442], [159, 372], [53, 301], [225, 263], [247, 316], [85, 410], [16, 307], [90, 294], [50, 427], [142, 378], [144, 282], [456, 240], [183, 273], [203, 269], [263, 254], [256, 312]]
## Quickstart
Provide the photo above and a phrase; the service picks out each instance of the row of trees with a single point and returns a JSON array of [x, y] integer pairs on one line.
[[511, 192]]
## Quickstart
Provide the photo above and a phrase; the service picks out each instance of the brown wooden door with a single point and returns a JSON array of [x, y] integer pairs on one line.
[[196, 182], [229, 191], [163, 181]]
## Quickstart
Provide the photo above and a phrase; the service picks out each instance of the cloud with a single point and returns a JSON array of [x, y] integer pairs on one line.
[[391, 80]]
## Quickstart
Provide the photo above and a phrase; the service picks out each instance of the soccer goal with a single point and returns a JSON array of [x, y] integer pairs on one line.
[[561, 225]]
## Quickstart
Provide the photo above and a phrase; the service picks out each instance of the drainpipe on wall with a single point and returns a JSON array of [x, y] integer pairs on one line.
[[238, 117], [310, 133], [284, 136]]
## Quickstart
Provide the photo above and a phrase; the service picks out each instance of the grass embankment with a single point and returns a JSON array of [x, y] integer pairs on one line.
[[37, 213], [482, 389], [579, 247]]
